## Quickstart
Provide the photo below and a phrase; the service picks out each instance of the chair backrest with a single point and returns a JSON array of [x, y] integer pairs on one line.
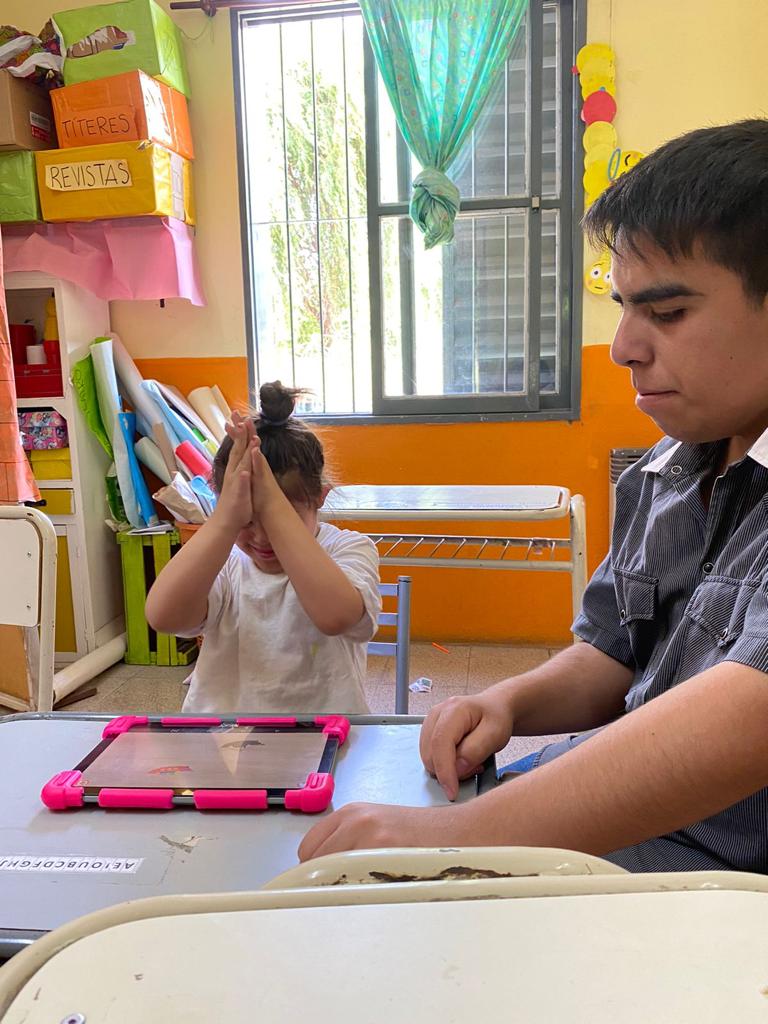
[[400, 647], [28, 594]]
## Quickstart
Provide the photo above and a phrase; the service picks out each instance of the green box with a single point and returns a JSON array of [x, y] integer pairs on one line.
[[108, 39], [19, 200]]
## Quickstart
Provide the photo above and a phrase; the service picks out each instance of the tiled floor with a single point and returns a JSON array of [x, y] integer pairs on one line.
[[464, 669]]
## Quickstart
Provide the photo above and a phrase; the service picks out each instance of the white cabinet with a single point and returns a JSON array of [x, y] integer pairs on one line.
[[89, 594]]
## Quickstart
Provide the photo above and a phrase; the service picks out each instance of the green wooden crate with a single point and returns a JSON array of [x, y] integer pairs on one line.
[[142, 557]]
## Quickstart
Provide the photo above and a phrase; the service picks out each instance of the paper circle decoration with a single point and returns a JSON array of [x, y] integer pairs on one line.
[[599, 106]]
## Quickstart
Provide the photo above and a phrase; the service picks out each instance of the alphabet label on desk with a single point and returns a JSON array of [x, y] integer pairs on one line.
[[69, 862]]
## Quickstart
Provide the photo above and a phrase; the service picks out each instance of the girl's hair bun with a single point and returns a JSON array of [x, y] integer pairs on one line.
[[277, 402]]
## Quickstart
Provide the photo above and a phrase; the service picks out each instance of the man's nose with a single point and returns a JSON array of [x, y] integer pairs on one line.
[[631, 342]]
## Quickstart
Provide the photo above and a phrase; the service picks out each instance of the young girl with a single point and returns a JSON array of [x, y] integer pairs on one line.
[[286, 605]]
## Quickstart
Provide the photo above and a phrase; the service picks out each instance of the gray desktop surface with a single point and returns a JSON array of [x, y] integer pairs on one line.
[[180, 851]]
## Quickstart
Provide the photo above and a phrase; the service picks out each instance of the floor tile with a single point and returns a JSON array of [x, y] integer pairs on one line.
[[379, 670], [143, 694]]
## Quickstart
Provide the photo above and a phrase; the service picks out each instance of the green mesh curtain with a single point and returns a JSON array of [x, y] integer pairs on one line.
[[439, 59]]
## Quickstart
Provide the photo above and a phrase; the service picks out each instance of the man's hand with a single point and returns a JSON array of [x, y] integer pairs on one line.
[[459, 734], [374, 826]]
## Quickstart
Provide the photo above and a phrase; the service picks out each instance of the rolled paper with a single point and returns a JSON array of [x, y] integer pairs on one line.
[[147, 412], [148, 453], [110, 405], [161, 439], [193, 460], [179, 403], [221, 402], [203, 401], [127, 421]]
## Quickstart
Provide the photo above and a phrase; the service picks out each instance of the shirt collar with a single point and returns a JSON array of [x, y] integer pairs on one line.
[[657, 464], [759, 450], [758, 453]]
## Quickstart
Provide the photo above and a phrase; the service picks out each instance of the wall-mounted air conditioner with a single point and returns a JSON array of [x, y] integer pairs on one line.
[[621, 459]]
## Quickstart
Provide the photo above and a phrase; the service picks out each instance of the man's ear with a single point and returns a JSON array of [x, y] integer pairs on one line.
[[325, 490]]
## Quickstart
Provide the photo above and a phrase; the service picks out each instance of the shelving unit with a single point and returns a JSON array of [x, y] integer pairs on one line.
[[89, 609]]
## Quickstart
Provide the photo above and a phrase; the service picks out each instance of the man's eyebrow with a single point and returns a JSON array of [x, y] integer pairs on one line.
[[656, 293]]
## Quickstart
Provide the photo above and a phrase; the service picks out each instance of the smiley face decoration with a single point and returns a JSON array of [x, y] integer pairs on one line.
[[604, 160], [597, 276]]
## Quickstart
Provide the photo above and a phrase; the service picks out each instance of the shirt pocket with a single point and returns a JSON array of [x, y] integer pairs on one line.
[[719, 606], [636, 595]]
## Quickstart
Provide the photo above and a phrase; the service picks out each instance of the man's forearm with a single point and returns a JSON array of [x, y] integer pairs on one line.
[[684, 756], [579, 688]]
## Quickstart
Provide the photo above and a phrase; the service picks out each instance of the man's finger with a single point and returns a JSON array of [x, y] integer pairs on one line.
[[476, 747], [425, 738], [451, 728]]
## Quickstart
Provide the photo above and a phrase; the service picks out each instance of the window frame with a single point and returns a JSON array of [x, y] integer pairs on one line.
[[453, 408]]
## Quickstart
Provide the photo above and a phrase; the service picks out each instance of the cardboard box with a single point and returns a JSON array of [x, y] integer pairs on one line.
[[26, 121], [107, 39], [18, 187], [126, 107], [123, 179]]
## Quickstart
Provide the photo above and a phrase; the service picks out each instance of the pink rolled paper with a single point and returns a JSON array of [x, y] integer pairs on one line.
[[193, 460]]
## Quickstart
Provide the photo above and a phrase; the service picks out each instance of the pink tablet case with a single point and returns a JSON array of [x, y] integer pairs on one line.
[[62, 792]]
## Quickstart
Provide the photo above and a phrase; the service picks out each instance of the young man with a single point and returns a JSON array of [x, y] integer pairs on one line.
[[671, 683]]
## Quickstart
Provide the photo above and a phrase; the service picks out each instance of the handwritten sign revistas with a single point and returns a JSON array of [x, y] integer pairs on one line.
[[85, 175]]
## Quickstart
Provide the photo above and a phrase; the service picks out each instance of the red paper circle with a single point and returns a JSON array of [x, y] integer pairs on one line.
[[598, 106]]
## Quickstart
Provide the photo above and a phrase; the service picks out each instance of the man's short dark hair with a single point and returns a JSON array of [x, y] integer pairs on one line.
[[708, 188]]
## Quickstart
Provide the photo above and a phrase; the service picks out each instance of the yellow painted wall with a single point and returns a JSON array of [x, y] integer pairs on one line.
[[680, 65]]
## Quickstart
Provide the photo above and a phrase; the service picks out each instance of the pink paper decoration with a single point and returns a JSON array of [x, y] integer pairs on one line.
[[125, 258]]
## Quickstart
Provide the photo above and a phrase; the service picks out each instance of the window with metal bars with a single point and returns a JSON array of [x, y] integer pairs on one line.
[[341, 295]]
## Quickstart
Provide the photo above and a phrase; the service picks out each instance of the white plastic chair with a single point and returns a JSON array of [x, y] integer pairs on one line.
[[28, 596], [400, 647]]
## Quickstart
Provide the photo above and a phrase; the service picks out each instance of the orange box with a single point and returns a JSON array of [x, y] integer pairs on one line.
[[124, 108]]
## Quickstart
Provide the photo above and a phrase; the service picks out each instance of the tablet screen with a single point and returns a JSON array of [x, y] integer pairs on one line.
[[223, 757]]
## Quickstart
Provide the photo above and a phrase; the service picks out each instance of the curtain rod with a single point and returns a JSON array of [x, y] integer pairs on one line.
[[210, 7]]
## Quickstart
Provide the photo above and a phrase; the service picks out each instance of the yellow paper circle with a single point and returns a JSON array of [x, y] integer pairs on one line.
[[597, 153], [596, 177], [597, 276], [628, 159], [601, 66], [593, 83], [599, 133], [592, 51]]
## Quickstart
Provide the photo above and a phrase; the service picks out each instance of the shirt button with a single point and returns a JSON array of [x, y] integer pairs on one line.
[[623, 612], [676, 470], [707, 568]]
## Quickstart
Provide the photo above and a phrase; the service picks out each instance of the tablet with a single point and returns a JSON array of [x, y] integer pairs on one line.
[[205, 763]]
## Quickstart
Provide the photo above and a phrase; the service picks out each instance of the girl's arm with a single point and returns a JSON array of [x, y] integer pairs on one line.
[[325, 592], [178, 600]]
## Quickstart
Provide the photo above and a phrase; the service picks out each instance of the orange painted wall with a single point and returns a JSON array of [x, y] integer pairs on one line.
[[450, 604]]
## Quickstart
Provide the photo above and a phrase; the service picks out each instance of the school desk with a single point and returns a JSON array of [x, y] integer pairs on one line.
[[470, 504], [641, 950], [123, 855]]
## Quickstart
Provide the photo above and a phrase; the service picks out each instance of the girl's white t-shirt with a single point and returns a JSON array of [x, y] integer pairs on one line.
[[261, 652]]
